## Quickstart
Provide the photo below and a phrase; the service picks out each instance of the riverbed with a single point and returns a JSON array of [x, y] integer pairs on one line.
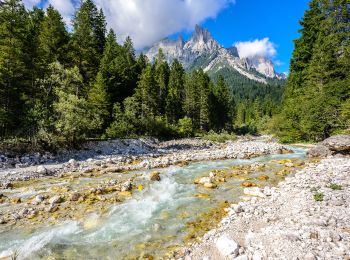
[[155, 219]]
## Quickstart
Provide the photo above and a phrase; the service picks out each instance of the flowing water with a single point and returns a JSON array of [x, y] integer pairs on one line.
[[151, 222]]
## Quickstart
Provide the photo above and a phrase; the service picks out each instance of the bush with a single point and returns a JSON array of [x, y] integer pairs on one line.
[[335, 186], [318, 196], [221, 137], [184, 127]]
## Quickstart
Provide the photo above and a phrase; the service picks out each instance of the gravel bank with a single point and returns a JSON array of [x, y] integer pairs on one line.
[[306, 217], [126, 155]]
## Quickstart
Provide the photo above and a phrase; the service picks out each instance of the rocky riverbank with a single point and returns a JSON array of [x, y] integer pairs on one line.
[[307, 216], [127, 155]]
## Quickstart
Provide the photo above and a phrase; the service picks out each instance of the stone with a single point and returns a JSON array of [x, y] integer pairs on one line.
[[319, 151], [155, 176], [41, 170], [309, 256], [338, 143], [73, 162], [75, 196], [38, 199], [226, 246], [248, 184], [255, 191], [55, 200], [209, 185], [127, 186], [204, 180]]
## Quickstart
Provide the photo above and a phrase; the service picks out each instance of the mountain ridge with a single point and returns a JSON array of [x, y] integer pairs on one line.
[[203, 51]]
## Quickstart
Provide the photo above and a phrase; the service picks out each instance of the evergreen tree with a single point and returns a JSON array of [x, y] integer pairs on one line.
[[146, 94], [176, 92], [319, 79], [13, 58], [99, 103], [53, 38], [162, 79], [88, 39]]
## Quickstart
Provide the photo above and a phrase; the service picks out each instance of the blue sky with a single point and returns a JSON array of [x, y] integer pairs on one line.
[[263, 27]]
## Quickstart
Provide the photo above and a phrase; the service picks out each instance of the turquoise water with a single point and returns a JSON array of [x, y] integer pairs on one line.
[[151, 222]]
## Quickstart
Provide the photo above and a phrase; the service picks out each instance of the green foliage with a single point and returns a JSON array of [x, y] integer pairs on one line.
[[318, 196], [184, 127], [74, 119], [120, 127], [219, 137], [335, 186], [318, 85]]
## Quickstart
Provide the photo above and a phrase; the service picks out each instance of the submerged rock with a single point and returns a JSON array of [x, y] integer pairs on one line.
[[155, 176]]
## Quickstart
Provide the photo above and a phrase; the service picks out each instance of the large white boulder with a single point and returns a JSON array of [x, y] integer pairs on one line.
[[227, 246]]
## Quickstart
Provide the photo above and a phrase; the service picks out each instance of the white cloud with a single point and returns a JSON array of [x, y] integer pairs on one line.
[[263, 48], [65, 7], [30, 3], [148, 21]]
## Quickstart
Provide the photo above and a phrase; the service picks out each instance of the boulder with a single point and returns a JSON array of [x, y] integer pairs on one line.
[[41, 170], [155, 176], [126, 186], [209, 185], [55, 200], [204, 180], [338, 143], [226, 246], [319, 151]]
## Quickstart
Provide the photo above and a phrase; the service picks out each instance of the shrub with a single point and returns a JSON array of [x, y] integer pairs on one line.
[[221, 137], [335, 186], [184, 127], [318, 196]]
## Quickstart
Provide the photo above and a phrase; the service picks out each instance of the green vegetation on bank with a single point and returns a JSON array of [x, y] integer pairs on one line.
[[59, 86], [317, 96]]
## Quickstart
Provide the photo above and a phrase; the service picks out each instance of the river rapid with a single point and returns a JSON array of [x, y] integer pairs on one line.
[[158, 218]]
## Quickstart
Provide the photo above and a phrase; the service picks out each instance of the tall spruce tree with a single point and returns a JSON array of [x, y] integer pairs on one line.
[[176, 93], [88, 39], [13, 67], [319, 78], [161, 69], [53, 38]]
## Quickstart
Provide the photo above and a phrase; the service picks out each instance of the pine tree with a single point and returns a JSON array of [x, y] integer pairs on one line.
[[99, 103], [13, 58], [176, 93], [222, 105], [53, 38], [88, 39], [146, 94], [162, 79]]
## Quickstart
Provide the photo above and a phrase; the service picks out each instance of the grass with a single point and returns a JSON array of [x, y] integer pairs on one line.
[[219, 137], [335, 186], [318, 196]]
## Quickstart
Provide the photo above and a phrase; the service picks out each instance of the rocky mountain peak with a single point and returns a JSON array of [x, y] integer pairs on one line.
[[203, 51]]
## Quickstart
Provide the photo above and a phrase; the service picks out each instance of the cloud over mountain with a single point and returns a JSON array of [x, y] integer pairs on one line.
[[263, 48], [146, 21]]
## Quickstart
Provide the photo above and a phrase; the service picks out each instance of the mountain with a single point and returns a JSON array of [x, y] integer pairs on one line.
[[203, 51]]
